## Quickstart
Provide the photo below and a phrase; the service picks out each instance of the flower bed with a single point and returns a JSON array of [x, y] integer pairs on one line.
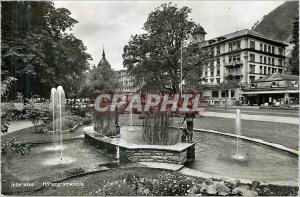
[[155, 182]]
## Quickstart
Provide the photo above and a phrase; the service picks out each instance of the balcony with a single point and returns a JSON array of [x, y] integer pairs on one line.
[[234, 63], [236, 73]]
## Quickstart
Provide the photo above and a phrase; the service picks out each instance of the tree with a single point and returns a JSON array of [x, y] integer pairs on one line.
[[153, 58], [37, 50], [99, 80], [7, 109], [294, 60], [229, 83]]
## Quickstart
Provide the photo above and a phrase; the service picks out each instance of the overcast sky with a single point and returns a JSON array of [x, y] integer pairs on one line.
[[111, 23]]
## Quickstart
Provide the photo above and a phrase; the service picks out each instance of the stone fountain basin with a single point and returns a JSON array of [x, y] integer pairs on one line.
[[214, 154], [43, 161], [127, 149]]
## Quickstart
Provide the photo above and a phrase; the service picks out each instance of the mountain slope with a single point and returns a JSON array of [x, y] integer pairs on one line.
[[278, 24]]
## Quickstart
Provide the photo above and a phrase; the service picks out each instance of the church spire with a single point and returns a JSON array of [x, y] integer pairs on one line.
[[103, 53]]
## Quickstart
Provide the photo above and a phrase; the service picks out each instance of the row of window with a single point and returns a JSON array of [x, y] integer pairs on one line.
[[265, 60], [127, 82], [236, 45], [234, 71], [266, 48], [129, 88], [215, 94], [218, 80], [264, 70], [212, 72]]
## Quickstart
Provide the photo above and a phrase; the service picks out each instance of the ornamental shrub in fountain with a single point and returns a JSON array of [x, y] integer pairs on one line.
[[106, 123], [157, 129]]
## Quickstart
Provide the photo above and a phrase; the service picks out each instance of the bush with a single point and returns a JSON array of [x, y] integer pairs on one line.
[[116, 188], [8, 146], [79, 110], [87, 121], [70, 124], [172, 185], [37, 115], [75, 171]]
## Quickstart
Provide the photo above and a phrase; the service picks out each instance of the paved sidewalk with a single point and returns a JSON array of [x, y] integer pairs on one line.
[[18, 125], [278, 119]]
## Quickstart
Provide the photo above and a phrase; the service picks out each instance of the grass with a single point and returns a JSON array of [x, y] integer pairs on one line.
[[266, 112]]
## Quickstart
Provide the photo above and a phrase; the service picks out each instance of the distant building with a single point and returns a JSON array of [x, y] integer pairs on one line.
[[126, 81], [243, 55], [276, 89], [103, 62]]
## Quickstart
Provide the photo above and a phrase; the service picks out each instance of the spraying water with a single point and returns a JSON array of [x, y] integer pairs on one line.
[[52, 107], [60, 101], [238, 133], [130, 113]]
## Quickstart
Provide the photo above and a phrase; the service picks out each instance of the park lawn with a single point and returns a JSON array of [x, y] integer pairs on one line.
[[279, 133], [258, 111]]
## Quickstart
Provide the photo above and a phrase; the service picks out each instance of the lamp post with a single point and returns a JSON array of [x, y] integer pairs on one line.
[[181, 70]]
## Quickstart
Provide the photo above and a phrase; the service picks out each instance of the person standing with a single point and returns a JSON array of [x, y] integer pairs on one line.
[[189, 120]]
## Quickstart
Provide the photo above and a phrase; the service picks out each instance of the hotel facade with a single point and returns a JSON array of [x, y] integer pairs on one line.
[[243, 55], [126, 81]]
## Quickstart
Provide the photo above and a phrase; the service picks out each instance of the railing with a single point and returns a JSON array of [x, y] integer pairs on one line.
[[233, 73], [233, 63]]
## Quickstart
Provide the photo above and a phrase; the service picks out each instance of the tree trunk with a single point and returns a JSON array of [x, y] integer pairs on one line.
[[225, 100]]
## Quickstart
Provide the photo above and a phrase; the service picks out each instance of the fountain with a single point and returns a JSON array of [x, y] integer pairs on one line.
[[52, 107], [130, 116], [60, 101], [238, 133]]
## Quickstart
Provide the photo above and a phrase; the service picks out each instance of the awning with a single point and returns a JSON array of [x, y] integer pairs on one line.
[[271, 92]]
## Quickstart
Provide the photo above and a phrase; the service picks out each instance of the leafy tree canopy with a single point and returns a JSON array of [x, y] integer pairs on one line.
[[153, 58], [294, 60], [99, 80], [38, 49]]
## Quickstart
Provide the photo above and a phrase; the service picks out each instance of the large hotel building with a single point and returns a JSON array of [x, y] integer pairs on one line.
[[244, 55]]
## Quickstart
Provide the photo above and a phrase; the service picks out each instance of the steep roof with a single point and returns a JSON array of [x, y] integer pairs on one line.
[[103, 62], [199, 29], [244, 32]]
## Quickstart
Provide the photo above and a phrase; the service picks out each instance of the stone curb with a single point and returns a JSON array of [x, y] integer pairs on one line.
[[201, 174], [256, 140]]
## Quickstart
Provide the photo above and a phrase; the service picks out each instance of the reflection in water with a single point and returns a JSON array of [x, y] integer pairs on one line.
[[58, 161], [55, 148], [41, 162]]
